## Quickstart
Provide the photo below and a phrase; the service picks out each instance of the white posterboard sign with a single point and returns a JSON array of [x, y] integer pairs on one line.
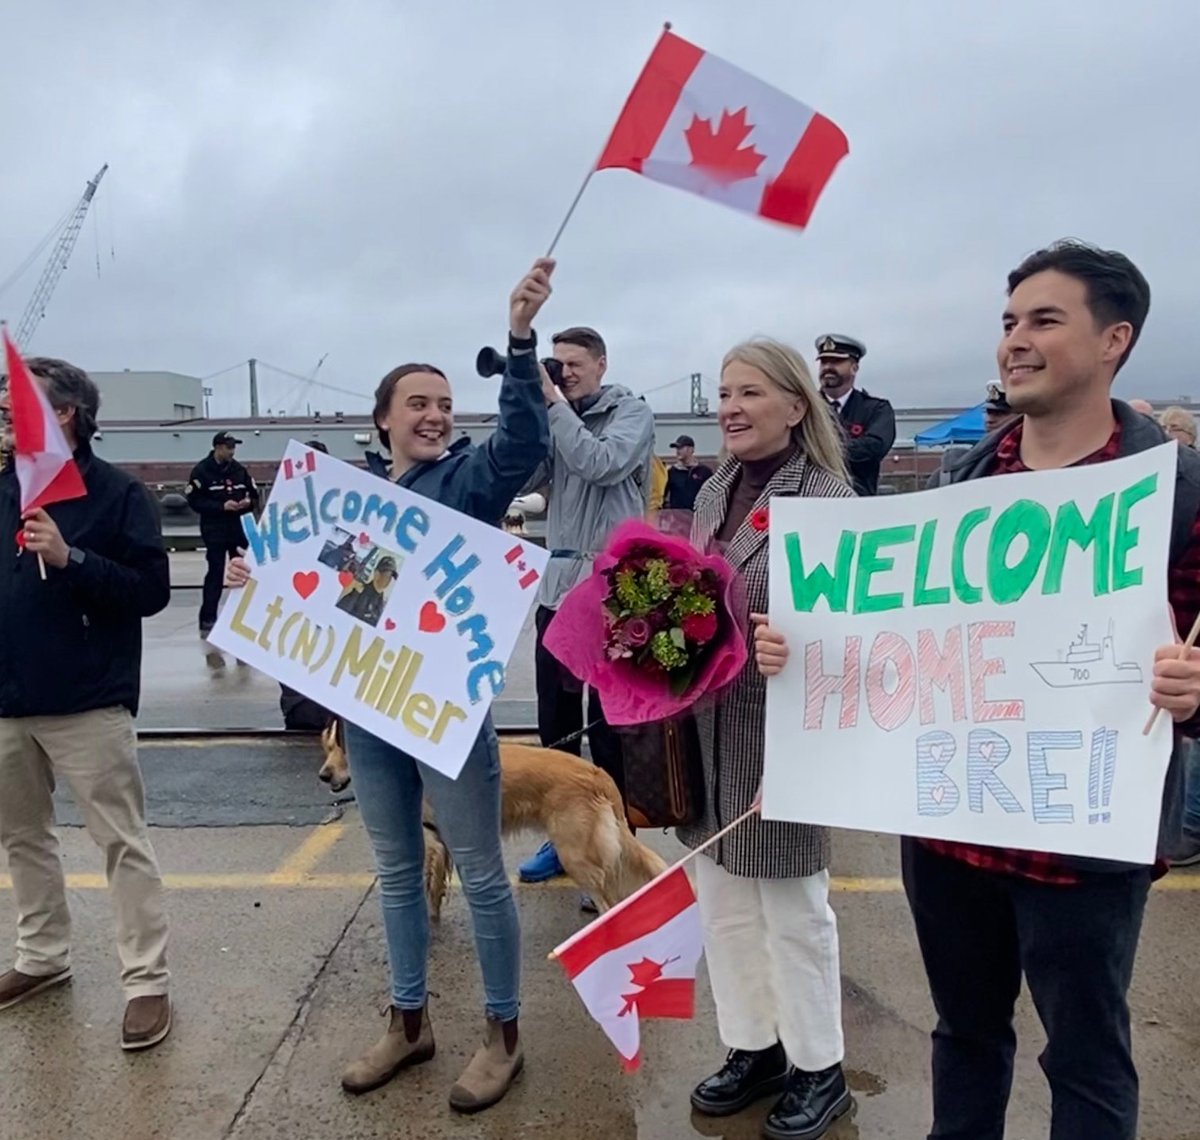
[[973, 663], [385, 607]]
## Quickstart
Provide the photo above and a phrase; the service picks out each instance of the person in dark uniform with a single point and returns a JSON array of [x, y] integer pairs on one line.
[[868, 422], [996, 412], [685, 477], [220, 490], [365, 601]]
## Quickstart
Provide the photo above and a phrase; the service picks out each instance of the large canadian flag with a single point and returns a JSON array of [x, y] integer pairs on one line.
[[638, 960], [700, 124], [46, 469]]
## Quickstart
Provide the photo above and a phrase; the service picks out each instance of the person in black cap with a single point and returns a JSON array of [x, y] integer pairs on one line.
[[220, 490], [868, 422], [996, 412], [365, 600], [686, 476]]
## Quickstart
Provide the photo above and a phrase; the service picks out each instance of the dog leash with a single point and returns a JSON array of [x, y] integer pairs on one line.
[[575, 735]]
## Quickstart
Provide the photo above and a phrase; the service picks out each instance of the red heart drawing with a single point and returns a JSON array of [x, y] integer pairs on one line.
[[389, 625], [364, 539], [305, 584], [345, 578], [432, 619]]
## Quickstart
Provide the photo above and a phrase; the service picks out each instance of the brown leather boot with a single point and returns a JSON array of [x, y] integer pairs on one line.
[[16, 987], [408, 1041], [147, 1022], [490, 1073]]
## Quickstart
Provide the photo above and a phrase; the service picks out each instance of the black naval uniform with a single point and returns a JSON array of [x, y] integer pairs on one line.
[[868, 422], [210, 487]]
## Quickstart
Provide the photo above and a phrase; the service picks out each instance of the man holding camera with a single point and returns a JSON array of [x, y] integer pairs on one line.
[[601, 444]]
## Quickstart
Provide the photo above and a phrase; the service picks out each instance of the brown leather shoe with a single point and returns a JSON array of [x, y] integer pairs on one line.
[[147, 1022], [408, 1041], [16, 987], [491, 1072]]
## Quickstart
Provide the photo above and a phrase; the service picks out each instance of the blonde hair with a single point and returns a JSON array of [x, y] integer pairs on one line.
[[818, 433], [1177, 417]]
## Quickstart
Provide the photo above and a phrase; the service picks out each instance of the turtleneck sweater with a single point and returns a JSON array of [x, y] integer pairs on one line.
[[754, 477]]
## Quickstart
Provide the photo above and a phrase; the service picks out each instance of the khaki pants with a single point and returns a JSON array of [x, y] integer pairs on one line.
[[96, 754], [772, 952]]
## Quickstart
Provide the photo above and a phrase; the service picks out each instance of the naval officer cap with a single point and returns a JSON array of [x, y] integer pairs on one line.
[[832, 346]]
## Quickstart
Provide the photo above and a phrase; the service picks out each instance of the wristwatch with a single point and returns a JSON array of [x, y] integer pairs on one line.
[[75, 557]]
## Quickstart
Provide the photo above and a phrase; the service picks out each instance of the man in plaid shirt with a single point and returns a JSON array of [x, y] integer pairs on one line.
[[984, 916]]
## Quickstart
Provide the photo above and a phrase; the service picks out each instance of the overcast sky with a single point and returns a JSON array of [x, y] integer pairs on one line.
[[366, 180]]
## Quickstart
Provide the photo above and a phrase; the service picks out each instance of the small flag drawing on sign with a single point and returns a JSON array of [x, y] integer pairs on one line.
[[515, 558], [307, 462], [638, 960]]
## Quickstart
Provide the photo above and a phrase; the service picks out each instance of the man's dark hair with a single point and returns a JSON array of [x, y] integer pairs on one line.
[[383, 394], [584, 337], [1116, 289], [69, 387]]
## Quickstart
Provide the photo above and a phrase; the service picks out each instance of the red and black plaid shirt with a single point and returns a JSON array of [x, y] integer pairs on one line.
[[1183, 592]]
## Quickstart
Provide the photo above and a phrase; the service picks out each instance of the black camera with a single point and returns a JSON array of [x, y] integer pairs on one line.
[[490, 363]]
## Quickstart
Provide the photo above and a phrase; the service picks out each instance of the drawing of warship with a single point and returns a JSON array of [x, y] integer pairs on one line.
[[1088, 663]]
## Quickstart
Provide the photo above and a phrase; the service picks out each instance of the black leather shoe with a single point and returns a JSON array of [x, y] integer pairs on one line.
[[809, 1107], [744, 1078]]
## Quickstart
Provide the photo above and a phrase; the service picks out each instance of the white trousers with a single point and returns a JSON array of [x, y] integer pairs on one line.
[[772, 952]]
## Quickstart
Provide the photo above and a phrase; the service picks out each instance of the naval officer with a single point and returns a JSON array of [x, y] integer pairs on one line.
[[868, 422]]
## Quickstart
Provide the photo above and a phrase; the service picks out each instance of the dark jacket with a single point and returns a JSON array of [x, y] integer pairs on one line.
[[210, 486], [869, 431], [483, 481], [1138, 433], [73, 643], [683, 484]]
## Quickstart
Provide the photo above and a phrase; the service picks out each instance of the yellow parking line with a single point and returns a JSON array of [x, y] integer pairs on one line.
[[300, 864]]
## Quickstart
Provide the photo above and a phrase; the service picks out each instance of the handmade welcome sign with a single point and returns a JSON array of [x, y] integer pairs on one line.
[[974, 663], [385, 607]]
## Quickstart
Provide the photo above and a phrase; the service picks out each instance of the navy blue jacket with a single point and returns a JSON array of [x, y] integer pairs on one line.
[[73, 643], [483, 481]]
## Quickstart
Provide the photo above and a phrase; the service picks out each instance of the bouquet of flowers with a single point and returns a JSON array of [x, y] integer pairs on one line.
[[653, 629]]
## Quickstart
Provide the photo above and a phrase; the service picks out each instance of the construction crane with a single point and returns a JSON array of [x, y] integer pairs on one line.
[[36, 309]]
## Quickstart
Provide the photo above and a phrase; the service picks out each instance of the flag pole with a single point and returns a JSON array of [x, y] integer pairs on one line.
[[1184, 650], [583, 187], [754, 809]]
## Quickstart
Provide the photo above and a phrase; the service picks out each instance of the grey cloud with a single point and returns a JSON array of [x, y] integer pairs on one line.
[[368, 179]]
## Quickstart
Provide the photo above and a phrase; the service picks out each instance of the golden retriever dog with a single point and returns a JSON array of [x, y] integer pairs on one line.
[[574, 803]]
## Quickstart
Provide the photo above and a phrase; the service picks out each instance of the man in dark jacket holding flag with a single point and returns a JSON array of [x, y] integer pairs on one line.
[[70, 671], [220, 490]]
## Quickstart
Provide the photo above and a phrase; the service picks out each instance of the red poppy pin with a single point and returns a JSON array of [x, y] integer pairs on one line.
[[856, 429], [21, 539], [759, 519]]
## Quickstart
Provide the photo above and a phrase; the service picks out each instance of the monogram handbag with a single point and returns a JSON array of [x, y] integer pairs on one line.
[[664, 780]]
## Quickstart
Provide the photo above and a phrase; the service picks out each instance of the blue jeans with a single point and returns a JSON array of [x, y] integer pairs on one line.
[[390, 784]]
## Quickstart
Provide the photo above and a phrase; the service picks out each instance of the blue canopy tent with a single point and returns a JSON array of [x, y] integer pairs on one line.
[[966, 427]]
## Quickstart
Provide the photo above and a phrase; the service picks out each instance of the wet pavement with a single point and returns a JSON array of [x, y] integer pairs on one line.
[[280, 974]]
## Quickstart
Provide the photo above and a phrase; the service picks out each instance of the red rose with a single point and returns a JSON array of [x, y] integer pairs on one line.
[[856, 429], [679, 575], [759, 519], [700, 628]]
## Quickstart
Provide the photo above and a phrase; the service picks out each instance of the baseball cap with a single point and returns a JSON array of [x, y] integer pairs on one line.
[[684, 441], [224, 437]]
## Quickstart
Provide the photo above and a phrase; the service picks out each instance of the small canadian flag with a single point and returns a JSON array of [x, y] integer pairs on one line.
[[306, 462], [638, 960], [700, 124], [46, 469]]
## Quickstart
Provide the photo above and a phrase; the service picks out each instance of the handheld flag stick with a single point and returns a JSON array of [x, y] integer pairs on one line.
[[755, 808], [1184, 650], [41, 566], [579, 194]]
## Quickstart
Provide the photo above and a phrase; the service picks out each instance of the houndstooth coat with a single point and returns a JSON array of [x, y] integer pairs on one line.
[[732, 728]]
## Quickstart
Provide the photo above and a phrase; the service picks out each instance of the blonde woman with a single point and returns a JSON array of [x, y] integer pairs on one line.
[[770, 936], [1180, 425]]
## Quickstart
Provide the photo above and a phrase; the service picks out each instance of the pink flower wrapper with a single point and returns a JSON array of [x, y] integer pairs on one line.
[[576, 635]]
